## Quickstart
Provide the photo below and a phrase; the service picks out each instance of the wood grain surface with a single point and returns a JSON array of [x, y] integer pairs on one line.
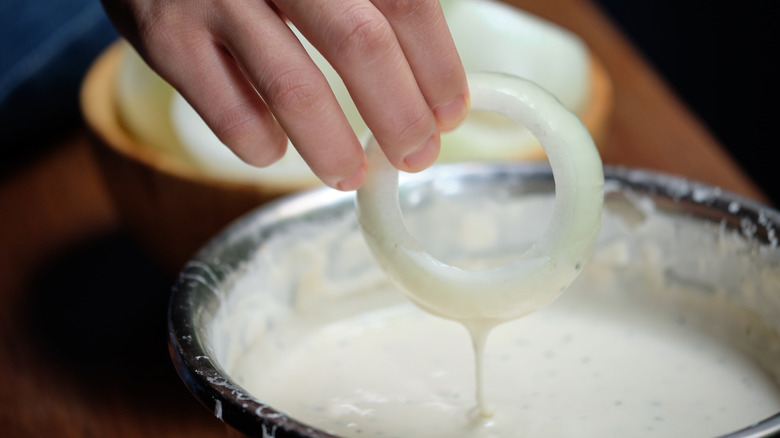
[[82, 308]]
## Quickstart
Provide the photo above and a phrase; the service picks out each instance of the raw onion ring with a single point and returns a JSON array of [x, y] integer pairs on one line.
[[541, 274]]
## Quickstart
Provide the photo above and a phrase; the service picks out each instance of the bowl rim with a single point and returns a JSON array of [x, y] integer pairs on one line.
[[228, 401]]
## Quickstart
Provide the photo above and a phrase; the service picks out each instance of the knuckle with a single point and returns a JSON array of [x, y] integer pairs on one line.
[[402, 8], [160, 24], [239, 129], [170, 35], [292, 92], [413, 128], [234, 125], [366, 31]]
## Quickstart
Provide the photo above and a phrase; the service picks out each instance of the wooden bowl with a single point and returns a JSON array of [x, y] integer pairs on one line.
[[170, 205], [165, 201]]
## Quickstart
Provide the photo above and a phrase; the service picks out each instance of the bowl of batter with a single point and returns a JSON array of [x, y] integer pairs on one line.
[[285, 326]]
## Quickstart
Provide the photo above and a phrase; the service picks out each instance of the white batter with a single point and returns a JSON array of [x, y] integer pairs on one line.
[[592, 364], [630, 349], [481, 299]]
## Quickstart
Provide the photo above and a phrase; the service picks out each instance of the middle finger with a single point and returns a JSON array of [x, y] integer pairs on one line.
[[360, 44]]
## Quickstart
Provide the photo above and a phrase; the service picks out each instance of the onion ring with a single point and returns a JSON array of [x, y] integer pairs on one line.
[[541, 274]]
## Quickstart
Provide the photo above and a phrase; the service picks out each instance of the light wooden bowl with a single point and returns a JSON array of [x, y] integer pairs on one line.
[[170, 205]]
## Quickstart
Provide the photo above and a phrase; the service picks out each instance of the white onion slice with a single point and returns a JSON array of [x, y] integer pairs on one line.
[[541, 274]]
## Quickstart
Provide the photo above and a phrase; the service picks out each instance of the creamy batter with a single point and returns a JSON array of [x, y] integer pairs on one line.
[[481, 299], [590, 365], [636, 347]]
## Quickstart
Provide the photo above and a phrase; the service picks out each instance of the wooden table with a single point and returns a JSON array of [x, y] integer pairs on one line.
[[82, 309]]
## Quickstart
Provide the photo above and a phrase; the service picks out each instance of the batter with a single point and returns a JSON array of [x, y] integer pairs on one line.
[[627, 355], [631, 349]]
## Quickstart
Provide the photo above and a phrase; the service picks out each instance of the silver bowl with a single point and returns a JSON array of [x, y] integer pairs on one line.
[[206, 281]]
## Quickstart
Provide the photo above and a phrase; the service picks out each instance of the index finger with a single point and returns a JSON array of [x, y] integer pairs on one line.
[[361, 45], [426, 41]]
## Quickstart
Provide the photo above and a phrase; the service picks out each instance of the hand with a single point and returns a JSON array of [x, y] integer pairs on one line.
[[241, 67]]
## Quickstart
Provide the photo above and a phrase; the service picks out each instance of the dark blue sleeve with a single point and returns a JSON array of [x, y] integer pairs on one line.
[[46, 47]]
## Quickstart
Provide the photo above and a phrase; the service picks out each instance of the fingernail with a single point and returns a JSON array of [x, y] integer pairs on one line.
[[423, 157], [355, 181], [449, 115]]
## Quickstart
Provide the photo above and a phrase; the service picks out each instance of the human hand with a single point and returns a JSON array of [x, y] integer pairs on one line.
[[243, 70]]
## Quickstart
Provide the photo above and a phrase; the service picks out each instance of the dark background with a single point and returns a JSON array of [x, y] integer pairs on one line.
[[721, 59]]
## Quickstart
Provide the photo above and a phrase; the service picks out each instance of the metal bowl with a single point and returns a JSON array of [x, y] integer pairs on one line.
[[205, 283]]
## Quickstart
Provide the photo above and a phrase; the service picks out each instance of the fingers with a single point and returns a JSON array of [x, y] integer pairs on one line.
[[427, 44], [247, 75], [189, 58], [362, 45], [244, 71], [296, 92], [219, 92]]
